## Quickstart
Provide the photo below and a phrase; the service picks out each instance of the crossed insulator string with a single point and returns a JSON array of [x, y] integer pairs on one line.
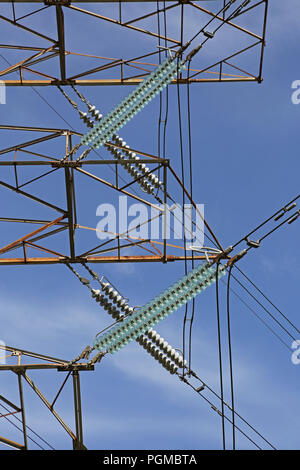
[[152, 178], [133, 103], [118, 308], [148, 182], [138, 171], [159, 308]]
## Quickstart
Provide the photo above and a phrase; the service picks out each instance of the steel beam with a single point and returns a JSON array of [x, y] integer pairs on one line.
[[22, 368], [22, 410], [70, 204], [97, 259], [31, 354], [64, 2], [61, 41], [14, 445], [78, 443], [118, 81]]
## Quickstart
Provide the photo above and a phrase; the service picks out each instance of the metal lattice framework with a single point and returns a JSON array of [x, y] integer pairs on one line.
[[22, 370], [65, 216], [31, 69], [48, 62]]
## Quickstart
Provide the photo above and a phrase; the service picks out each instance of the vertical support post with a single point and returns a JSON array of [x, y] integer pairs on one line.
[[78, 443], [61, 41], [263, 43], [70, 199], [69, 144], [69, 191], [22, 411]]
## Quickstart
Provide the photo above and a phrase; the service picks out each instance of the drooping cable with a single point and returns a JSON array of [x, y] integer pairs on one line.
[[191, 193], [164, 94], [230, 356], [174, 358], [220, 358], [183, 205]]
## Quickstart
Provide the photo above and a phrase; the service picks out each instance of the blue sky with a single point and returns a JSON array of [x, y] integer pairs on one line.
[[245, 166]]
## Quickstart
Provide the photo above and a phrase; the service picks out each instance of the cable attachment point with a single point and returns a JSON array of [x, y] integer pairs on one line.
[[182, 49], [97, 358], [252, 243], [240, 8], [193, 52], [284, 210], [216, 410], [237, 257], [84, 355], [295, 217], [208, 34], [91, 271], [84, 280], [223, 254]]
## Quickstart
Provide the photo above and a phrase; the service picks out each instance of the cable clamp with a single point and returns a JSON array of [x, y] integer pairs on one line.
[[252, 243]]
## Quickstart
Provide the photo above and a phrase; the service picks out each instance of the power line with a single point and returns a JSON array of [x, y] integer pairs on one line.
[[29, 428], [257, 316], [220, 357], [266, 298], [264, 308], [206, 386], [191, 192], [230, 355], [223, 416]]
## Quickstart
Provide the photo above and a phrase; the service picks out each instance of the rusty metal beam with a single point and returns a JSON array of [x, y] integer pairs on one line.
[[48, 405], [96, 259], [111, 20], [64, 2], [24, 352], [61, 41], [21, 368], [30, 142], [25, 237], [13, 68], [58, 132], [263, 40], [22, 410], [234, 25], [70, 195], [118, 81], [30, 196], [78, 443], [25, 28], [70, 204], [10, 443]]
